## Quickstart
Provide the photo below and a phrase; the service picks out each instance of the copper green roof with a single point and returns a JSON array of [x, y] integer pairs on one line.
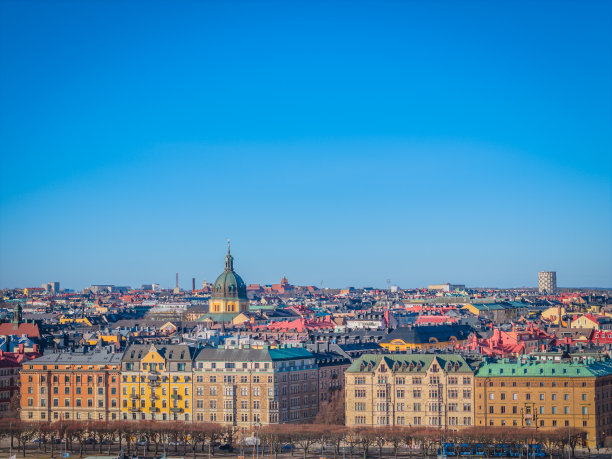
[[230, 354], [410, 363], [537, 368]]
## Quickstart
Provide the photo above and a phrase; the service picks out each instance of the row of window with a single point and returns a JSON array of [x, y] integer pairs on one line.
[[88, 415], [416, 393], [415, 380], [78, 402], [77, 390], [528, 384], [416, 420], [77, 379], [434, 407], [529, 423], [164, 391], [541, 409], [542, 396], [153, 405]]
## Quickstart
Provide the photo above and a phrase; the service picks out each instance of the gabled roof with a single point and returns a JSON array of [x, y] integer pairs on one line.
[[410, 363], [174, 352]]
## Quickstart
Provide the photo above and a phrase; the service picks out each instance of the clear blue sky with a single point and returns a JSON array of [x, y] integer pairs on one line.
[[337, 142]]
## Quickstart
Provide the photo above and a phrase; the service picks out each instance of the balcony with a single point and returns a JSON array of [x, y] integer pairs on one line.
[[134, 409], [154, 383], [176, 410], [175, 396], [134, 396], [154, 397], [154, 410]]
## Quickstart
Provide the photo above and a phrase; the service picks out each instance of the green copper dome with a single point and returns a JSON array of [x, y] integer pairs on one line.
[[229, 284]]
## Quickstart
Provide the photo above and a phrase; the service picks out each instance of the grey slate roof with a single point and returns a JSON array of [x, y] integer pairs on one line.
[[79, 358], [422, 334], [174, 352]]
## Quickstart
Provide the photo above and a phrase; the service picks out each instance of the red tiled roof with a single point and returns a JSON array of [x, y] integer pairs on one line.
[[28, 329]]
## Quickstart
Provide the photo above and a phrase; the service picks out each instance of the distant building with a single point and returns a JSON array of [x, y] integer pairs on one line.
[[51, 287], [547, 282], [502, 312], [426, 337], [105, 288], [446, 287], [19, 328]]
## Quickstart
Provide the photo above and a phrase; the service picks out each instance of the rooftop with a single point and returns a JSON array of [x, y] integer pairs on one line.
[[539, 368]]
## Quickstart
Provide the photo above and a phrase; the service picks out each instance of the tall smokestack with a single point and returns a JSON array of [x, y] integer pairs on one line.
[[176, 280], [193, 284]]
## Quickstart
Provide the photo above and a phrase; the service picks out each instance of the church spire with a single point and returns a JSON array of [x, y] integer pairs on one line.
[[229, 260]]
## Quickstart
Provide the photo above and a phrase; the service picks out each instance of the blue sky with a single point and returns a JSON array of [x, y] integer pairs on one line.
[[336, 143]]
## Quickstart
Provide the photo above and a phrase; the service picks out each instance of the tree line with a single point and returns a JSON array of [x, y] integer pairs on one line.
[[203, 439]]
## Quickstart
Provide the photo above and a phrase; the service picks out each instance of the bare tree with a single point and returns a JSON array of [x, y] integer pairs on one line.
[[365, 438]]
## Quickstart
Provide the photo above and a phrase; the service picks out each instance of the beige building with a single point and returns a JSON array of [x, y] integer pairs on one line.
[[434, 390], [247, 387]]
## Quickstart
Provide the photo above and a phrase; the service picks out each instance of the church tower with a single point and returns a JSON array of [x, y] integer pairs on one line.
[[16, 316], [228, 297]]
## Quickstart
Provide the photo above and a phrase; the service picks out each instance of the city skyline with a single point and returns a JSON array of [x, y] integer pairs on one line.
[[339, 143]]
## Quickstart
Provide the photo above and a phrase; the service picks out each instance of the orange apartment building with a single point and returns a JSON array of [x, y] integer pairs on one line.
[[72, 386]]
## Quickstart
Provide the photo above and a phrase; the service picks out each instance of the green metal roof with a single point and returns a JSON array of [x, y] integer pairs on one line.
[[253, 354], [404, 361], [531, 368], [288, 353]]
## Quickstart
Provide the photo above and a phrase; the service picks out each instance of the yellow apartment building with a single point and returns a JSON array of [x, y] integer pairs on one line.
[[156, 382]]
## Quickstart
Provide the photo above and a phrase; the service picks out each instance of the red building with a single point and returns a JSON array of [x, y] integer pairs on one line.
[[507, 344]]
